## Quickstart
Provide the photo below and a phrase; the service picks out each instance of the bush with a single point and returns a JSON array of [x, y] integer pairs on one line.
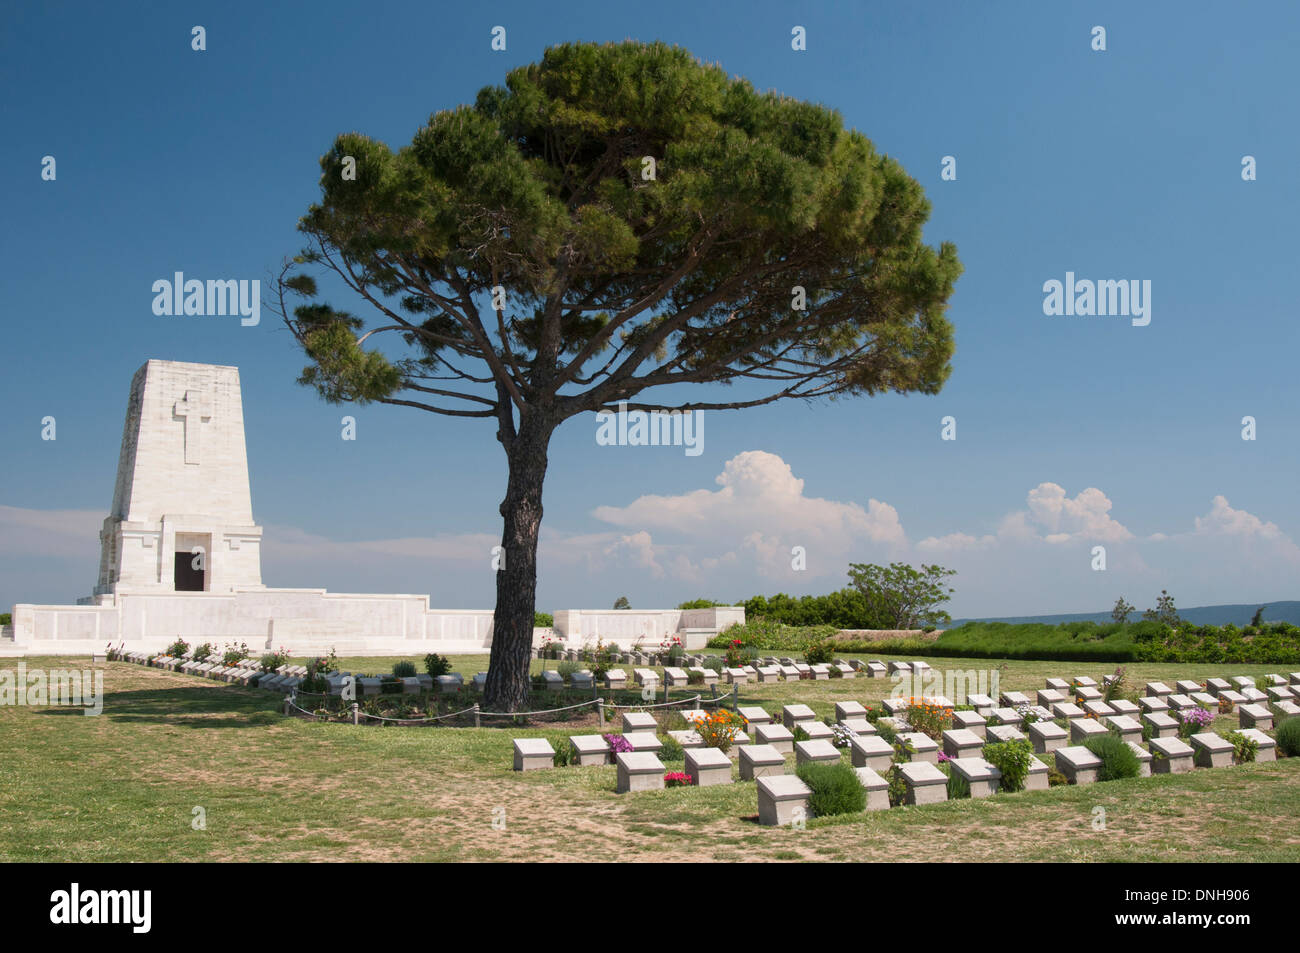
[[819, 652], [274, 660], [1288, 737], [693, 677], [1013, 759], [1117, 758], [404, 669], [835, 788], [6, 618], [178, 648], [719, 729], [1243, 749], [671, 750], [958, 787], [235, 653], [701, 604], [543, 620], [436, 664], [203, 651]]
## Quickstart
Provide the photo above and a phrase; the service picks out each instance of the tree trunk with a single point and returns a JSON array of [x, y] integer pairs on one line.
[[508, 681]]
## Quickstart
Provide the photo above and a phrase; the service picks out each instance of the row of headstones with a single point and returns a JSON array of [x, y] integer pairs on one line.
[[781, 795], [411, 684], [245, 672], [762, 670]]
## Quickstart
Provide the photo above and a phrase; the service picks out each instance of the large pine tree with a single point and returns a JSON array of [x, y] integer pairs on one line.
[[644, 221]]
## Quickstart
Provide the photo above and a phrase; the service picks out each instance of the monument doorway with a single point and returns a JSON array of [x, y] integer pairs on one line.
[[191, 567]]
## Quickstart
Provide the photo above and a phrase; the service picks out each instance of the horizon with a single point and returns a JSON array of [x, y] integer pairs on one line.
[[1072, 432]]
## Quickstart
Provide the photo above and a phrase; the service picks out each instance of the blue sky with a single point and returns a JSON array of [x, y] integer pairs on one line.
[[1071, 431]]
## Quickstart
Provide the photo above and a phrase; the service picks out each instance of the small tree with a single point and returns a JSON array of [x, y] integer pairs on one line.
[[1122, 610], [1257, 619], [622, 603], [904, 596], [1164, 611]]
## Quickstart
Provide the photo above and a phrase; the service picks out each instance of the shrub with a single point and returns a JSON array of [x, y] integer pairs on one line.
[[1117, 758], [958, 787], [719, 728], [928, 718], [713, 664], [701, 604], [566, 668], [671, 750], [235, 653], [835, 788], [6, 618], [404, 669], [1193, 720], [819, 652], [436, 664], [274, 660], [886, 731], [203, 651], [694, 678], [1288, 736], [1243, 749], [1225, 706], [677, 779], [543, 620], [799, 734], [1013, 759], [564, 755], [178, 648]]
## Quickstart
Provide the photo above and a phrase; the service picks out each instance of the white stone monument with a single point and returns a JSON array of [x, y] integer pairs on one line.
[[182, 517]]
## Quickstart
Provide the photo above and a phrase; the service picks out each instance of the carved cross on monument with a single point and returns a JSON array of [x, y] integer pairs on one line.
[[193, 410]]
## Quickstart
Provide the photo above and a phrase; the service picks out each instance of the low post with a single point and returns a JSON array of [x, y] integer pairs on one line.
[[735, 696], [714, 689], [356, 719], [600, 710], [476, 711], [287, 703]]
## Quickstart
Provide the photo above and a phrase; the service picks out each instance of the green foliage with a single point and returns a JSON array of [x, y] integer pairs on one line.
[[1143, 641], [1164, 612], [1287, 736], [404, 669], [436, 664], [6, 618], [178, 648], [846, 609], [566, 668], [701, 604], [1117, 759], [539, 188], [543, 620], [274, 660], [1122, 611], [799, 734], [905, 597], [203, 651], [765, 635], [235, 653], [564, 754], [958, 786], [1244, 749], [835, 788], [818, 652], [622, 603], [693, 677], [672, 749], [1013, 759]]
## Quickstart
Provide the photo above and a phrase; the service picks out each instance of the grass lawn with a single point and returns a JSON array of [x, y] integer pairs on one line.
[[123, 787]]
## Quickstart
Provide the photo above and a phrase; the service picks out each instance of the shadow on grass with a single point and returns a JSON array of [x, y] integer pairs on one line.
[[186, 706]]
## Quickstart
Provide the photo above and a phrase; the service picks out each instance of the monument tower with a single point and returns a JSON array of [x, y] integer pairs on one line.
[[182, 517]]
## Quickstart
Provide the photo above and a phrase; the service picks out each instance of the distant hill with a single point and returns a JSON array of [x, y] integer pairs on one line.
[[1201, 615]]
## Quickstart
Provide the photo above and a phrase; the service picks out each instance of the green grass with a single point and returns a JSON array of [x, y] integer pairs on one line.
[[122, 787]]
